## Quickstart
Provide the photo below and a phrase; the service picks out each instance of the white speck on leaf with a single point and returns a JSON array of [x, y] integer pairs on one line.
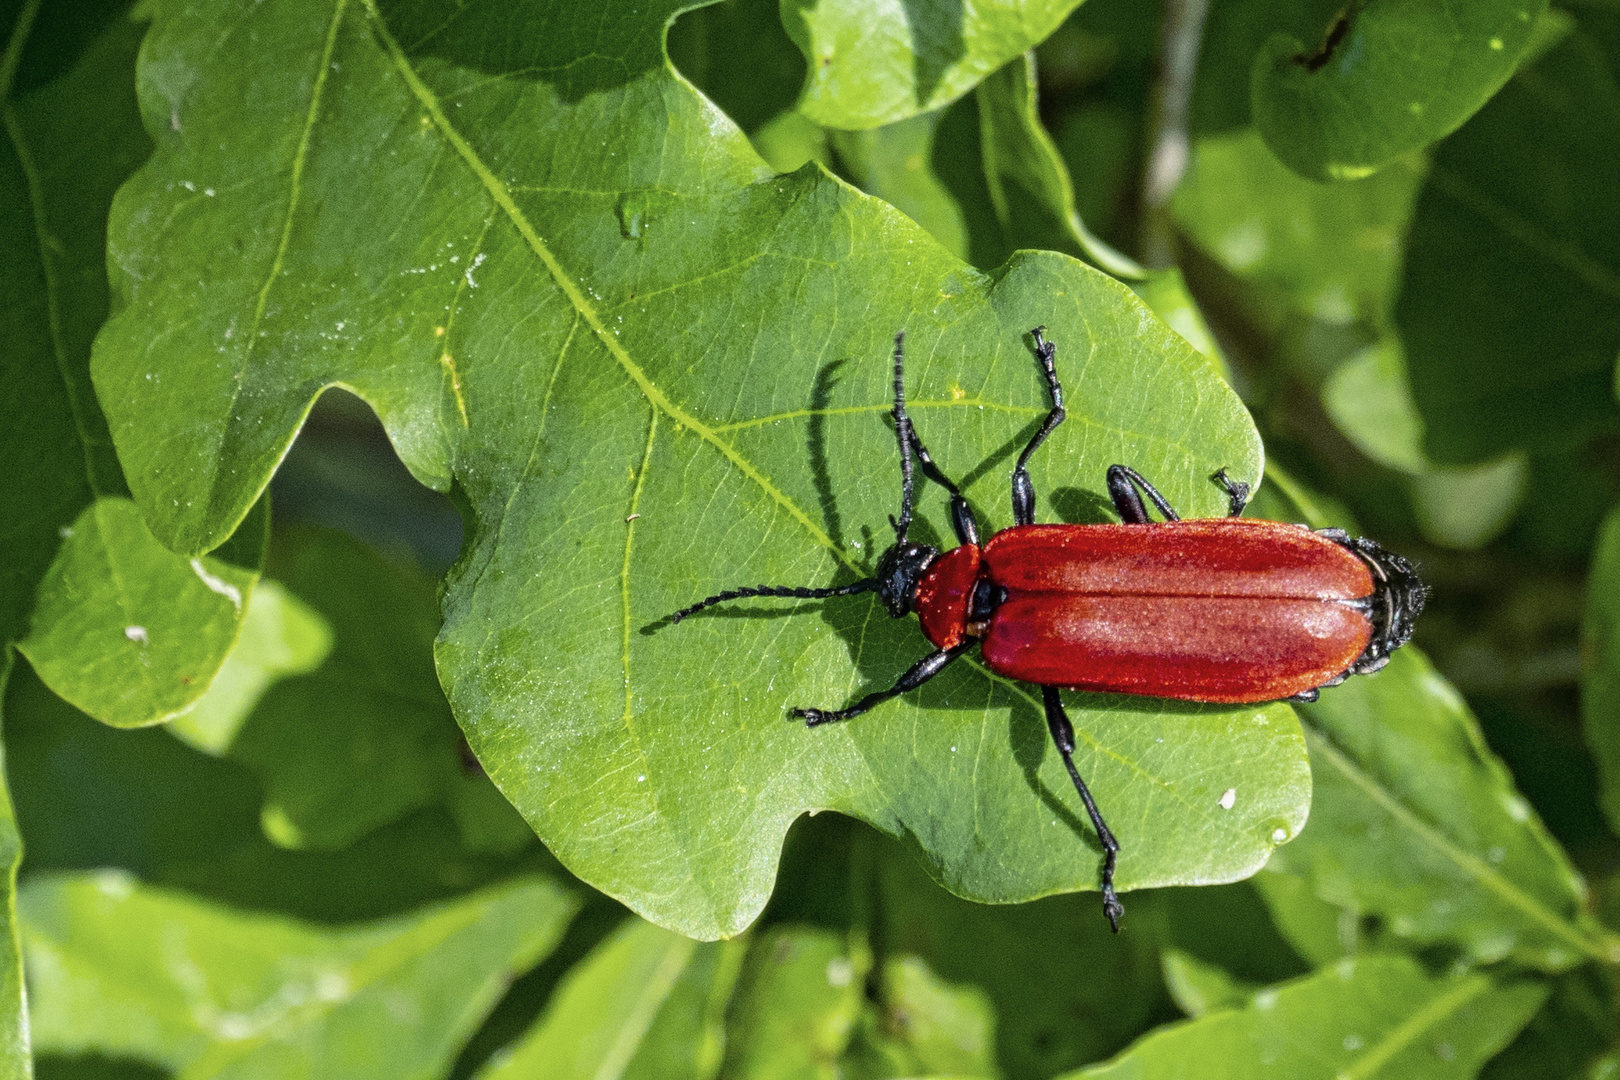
[[137, 634], [478, 260], [840, 971], [1228, 798]]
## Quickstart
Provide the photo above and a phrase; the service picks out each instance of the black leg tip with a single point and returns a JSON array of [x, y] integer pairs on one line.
[[1113, 909], [811, 717]]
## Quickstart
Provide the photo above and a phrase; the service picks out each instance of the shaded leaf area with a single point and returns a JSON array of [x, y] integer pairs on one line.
[[602, 1008], [1600, 680], [130, 631], [124, 969], [1386, 77], [1375, 1016], [364, 737], [645, 1002], [1235, 33], [281, 636], [1331, 252], [521, 333], [1416, 824], [1321, 265], [872, 66], [1520, 351], [90, 797]]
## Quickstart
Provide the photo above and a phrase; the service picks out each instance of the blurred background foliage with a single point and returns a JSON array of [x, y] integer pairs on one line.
[[1428, 345]]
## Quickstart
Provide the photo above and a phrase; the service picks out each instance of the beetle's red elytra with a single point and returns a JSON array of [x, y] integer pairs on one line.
[[1222, 610]]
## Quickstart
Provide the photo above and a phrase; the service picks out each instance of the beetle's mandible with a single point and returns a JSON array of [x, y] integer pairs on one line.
[[1215, 609]]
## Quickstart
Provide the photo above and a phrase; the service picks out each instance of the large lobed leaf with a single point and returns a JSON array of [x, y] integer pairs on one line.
[[655, 371]]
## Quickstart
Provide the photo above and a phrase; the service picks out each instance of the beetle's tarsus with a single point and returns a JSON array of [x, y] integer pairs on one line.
[[1237, 492]]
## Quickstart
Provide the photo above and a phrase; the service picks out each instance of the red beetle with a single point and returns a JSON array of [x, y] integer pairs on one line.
[[1215, 609]]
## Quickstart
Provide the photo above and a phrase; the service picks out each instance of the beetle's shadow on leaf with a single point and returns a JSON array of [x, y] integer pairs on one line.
[[1077, 506], [820, 476], [1000, 456]]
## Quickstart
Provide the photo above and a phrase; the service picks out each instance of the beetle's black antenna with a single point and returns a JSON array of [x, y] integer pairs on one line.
[[798, 592], [903, 432]]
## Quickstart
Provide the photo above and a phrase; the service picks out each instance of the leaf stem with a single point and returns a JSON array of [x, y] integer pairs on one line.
[[1169, 107], [14, 47]]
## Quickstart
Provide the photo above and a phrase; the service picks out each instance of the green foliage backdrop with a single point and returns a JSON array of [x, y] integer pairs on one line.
[[379, 374]]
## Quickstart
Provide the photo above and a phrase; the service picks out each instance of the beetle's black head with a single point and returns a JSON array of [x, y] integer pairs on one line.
[[1398, 596], [899, 571]]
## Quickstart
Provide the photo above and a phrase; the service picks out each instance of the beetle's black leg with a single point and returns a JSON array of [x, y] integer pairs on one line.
[[1063, 735], [1304, 697], [1123, 483], [800, 592], [920, 672], [1023, 490], [962, 519], [1237, 492]]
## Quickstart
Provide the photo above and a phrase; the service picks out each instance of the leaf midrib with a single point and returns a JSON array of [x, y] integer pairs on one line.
[[1321, 746], [576, 297]]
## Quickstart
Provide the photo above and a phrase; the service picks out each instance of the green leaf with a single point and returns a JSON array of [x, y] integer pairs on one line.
[[1373, 1017], [802, 988], [91, 796], [280, 636], [602, 1011], [942, 1029], [123, 627], [687, 1038], [1459, 507], [1386, 77], [125, 969], [893, 163], [1319, 931], [366, 737], [1029, 183], [1600, 675], [1520, 351], [1416, 822], [871, 66], [1020, 961], [1198, 987], [16, 1058], [494, 245], [127, 630], [67, 145], [1331, 252]]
